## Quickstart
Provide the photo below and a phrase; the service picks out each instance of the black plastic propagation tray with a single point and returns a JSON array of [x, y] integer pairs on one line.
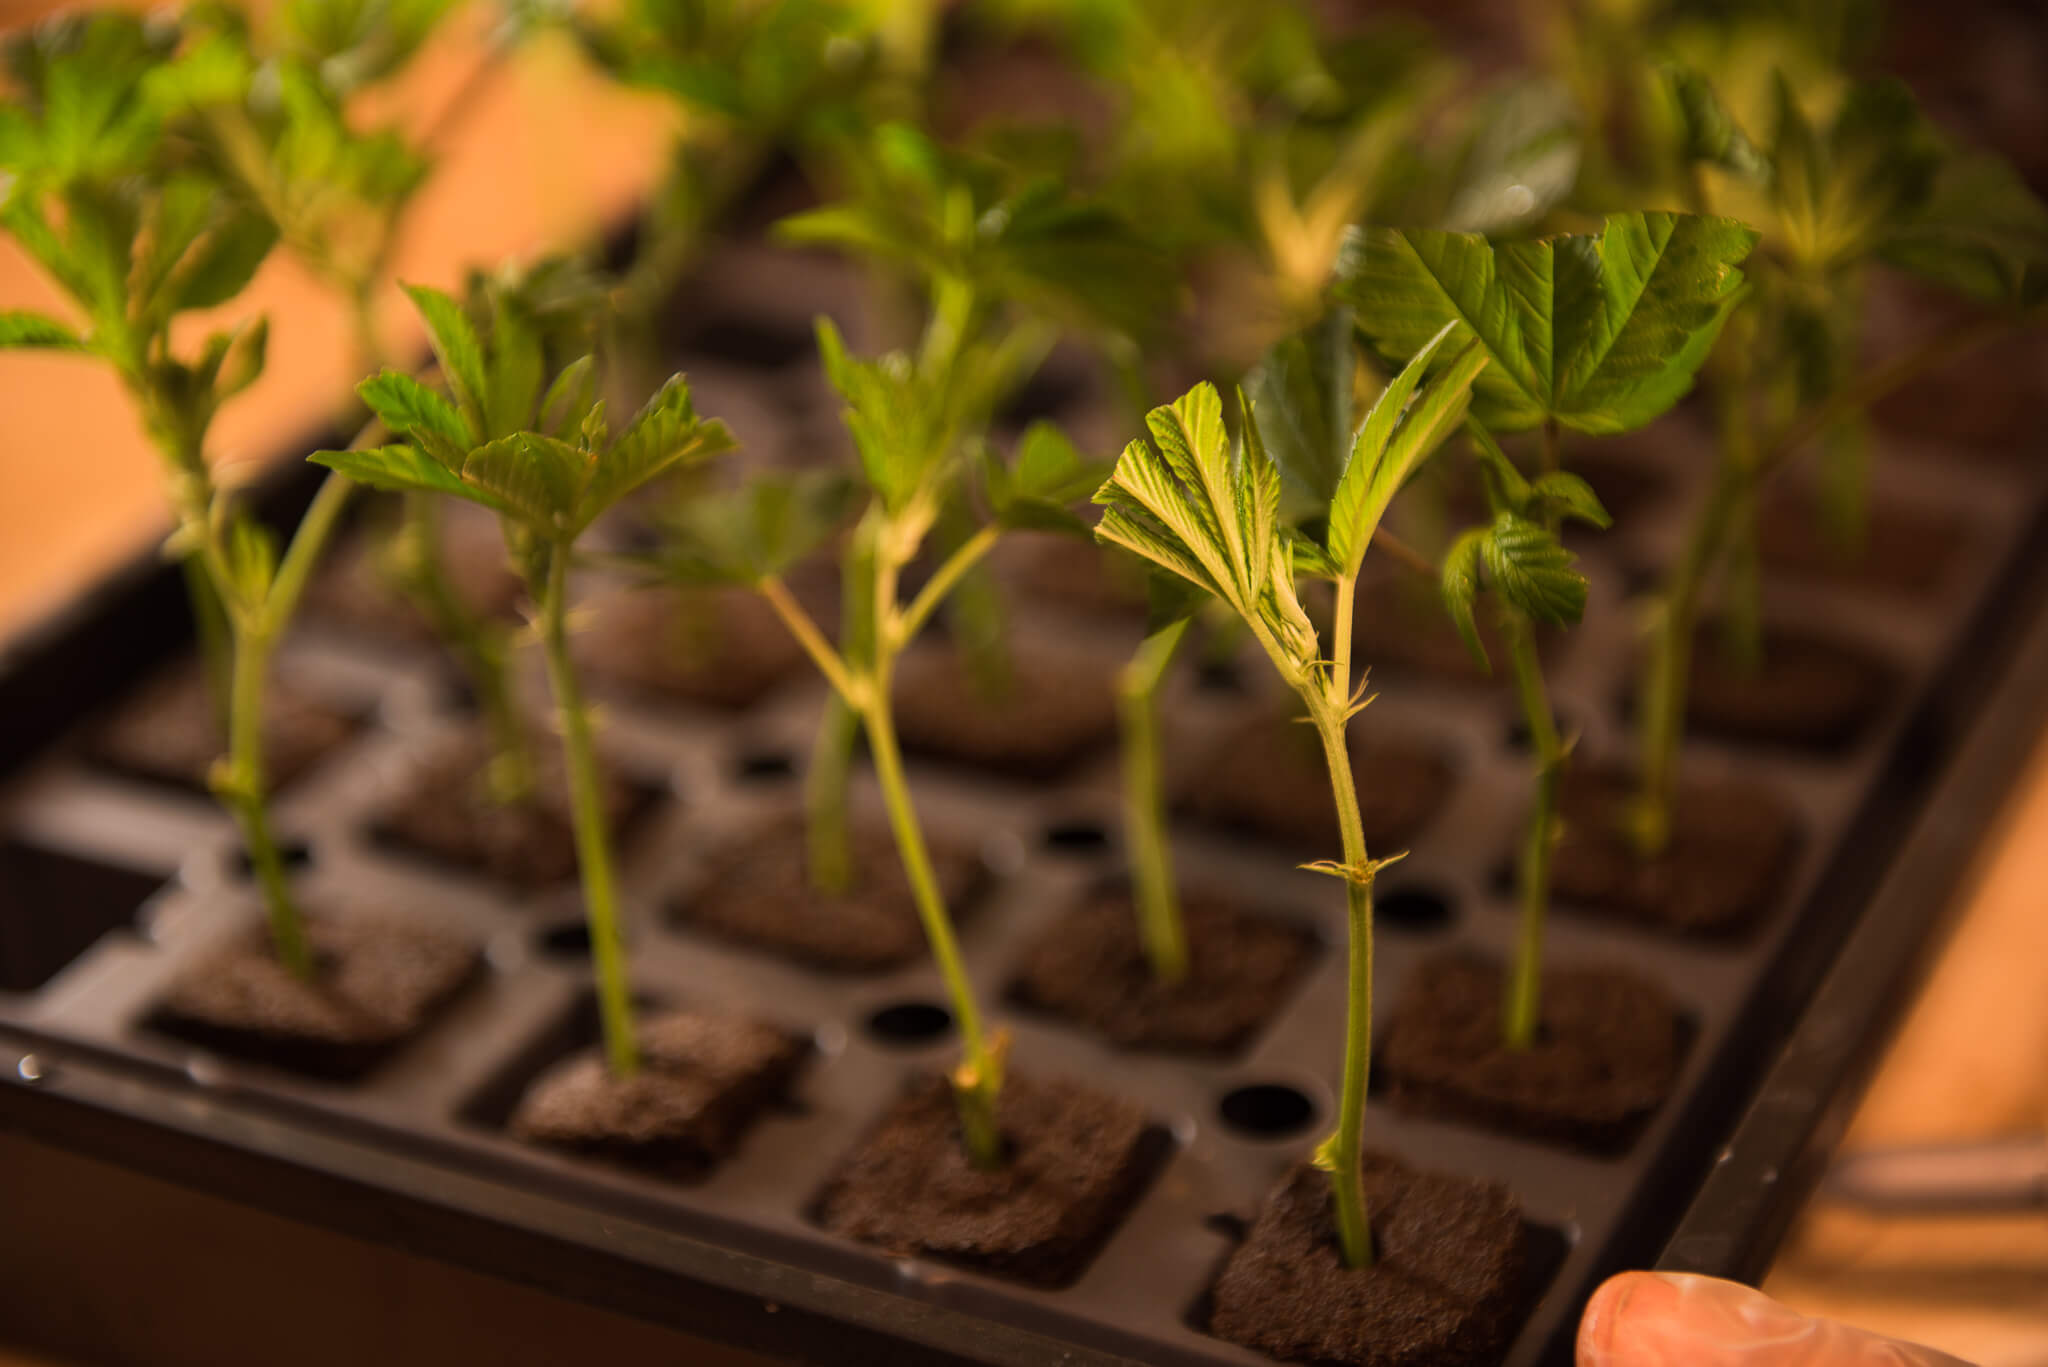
[[108, 887]]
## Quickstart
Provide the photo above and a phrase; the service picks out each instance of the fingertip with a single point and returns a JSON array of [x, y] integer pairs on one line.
[[1605, 1312]]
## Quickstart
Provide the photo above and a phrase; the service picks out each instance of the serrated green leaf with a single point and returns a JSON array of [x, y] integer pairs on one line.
[[1035, 491], [1191, 509], [1710, 132], [537, 479], [569, 398], [514, 368], [406, 406], [1301, 393], [1459, 585], [1981, 232], [27, 330], [1601, 334], [1566, 495], [402, 469], [457, 348], [1532, 570], [665, 435], [1395, 438], [220, 264]]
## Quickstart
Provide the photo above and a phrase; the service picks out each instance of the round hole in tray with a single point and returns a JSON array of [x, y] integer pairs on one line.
[[764, 766], [1414, 909], [568, 940], [908, 1023], [296, 853], [1266, 1110], [1079, 837]]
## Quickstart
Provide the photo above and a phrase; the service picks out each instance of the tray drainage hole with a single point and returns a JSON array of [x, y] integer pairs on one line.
[[1079, 838], [908, 1023], [765, 766], [569, 940], [297, 854], [1267, 1110], [1416, 910]]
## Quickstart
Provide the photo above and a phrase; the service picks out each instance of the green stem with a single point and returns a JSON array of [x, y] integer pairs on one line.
[[943, 581], [1160, 926], [593, 841], [210, 627], [1553, 444], [483, 649], [828, 838], [314, 531], [241, 786], [1343, 1154], [1523, 1003], [978, 1080], [1668, 666]]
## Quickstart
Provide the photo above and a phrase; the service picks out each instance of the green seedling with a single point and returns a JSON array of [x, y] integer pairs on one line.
[[272, 121], [537, 451], [1211, 517], [136, 239], [1874, 184], [1004, 264], [1591, 334], [906, 417], [1518, 559]]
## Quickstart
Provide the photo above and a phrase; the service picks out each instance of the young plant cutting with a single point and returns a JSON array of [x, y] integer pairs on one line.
[[134, 243], [1198, 510], [902, 902]]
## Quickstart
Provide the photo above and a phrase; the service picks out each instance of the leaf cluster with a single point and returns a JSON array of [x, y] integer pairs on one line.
[[1874, 180], [92, 196], [1518, 556], [953, 218], [1598, 334], [534, 448], [761, 64], [273, 127]]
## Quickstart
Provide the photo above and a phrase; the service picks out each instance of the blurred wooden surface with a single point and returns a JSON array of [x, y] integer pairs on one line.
[[1970, 1061], [546, 155]]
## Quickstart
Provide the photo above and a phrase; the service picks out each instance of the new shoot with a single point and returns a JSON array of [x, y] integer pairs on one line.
[[553, 468], [135, 238]]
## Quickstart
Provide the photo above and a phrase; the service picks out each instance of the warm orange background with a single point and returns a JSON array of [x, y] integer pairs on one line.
[[544, 154]]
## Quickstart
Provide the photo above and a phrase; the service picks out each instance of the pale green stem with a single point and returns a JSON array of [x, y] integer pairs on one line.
[[1667, 666], [979, 1078], [210, 628], [593, 840], [1153, 891], [315, 529], [242, 787], [1522, 1007], [943, 581], [828, 843], [483, 649], [1346, 1149]]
